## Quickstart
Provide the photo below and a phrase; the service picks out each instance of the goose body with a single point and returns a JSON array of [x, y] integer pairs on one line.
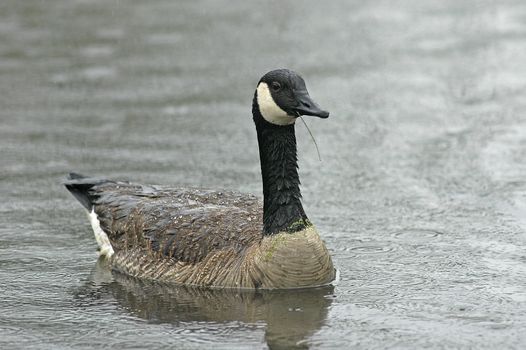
[[219, 239]]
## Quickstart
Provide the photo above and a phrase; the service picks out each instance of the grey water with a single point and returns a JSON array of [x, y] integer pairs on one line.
[[420, 194]]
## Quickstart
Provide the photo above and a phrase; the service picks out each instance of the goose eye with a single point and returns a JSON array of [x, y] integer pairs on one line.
[[276, 86]]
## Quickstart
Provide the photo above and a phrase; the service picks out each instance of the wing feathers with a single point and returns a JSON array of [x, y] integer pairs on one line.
[[183, 225]]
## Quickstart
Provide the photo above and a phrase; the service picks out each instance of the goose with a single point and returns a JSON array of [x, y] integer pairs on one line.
[[219, 239]]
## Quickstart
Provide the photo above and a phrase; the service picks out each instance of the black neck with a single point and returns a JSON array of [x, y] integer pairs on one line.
[[282, 209]]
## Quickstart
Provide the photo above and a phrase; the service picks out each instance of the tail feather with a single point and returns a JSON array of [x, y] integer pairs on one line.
[[75, 176], [79, 186]]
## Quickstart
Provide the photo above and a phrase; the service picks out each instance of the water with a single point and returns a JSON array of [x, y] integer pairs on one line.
[[421, 194]]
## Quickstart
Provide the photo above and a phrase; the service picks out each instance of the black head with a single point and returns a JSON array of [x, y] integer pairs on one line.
[[282, 97]]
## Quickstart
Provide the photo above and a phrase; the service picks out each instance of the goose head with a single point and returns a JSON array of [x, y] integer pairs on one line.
[[282, 96]]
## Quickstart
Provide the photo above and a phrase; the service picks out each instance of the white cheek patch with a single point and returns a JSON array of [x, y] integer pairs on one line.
[[270, 111]]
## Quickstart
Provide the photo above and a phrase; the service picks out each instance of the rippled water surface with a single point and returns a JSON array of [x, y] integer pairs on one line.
[[421, 194]]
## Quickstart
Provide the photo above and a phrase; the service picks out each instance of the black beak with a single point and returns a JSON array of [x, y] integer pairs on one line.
[[306, 106]]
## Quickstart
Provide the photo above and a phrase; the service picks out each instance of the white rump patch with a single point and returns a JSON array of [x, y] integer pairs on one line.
[[102, 238], [269, 109]]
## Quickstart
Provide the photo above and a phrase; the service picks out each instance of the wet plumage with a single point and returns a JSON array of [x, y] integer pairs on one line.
[[182, 224], [217, 238]]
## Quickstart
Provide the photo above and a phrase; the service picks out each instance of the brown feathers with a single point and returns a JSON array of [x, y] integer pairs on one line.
[[206, 238]]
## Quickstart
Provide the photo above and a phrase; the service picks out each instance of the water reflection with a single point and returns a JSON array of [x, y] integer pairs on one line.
[[289, 317]]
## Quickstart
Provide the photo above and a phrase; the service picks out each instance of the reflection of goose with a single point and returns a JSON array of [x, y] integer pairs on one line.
[[290, 318], [217, 239]]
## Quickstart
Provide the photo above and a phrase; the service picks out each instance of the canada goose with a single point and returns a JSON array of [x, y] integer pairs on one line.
[[219, 239]]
